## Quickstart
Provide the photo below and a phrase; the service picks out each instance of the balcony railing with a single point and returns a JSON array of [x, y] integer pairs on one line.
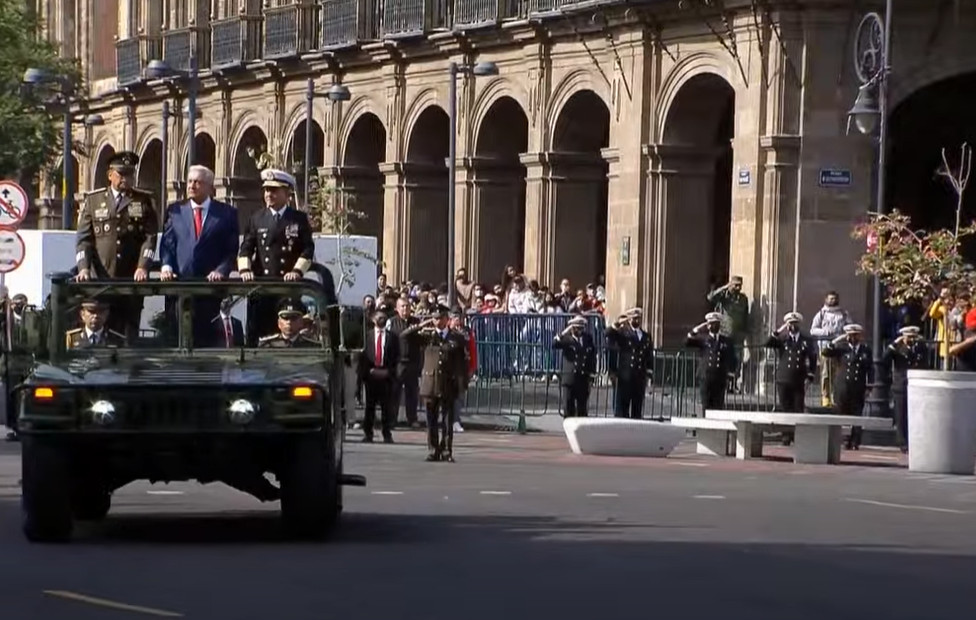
[[290, 30], [179, 44], [235, 41], [348, 22], [475, 13], [404, 18], [131, 56]]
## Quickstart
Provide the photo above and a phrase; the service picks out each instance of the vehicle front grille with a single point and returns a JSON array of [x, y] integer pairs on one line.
[[173, 410]]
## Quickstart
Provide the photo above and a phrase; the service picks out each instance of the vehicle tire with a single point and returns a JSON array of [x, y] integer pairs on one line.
[[45, 492], [90, 504], [310, 489]]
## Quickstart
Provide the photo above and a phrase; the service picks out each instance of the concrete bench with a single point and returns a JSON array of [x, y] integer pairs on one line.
[[621, 437], [714, 437], [818, 436]]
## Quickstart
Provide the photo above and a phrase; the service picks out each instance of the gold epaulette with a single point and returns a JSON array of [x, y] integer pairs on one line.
[[68, 334]]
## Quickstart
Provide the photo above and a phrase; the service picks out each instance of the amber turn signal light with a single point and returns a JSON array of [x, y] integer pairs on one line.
[[43, 393], [302, 391]]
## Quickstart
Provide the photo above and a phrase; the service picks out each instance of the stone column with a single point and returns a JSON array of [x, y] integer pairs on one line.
[[579, 198], [395, 221], [425, 203], [538, 217], [494, 226]]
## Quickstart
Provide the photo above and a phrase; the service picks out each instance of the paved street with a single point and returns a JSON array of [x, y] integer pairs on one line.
[[520, 528]]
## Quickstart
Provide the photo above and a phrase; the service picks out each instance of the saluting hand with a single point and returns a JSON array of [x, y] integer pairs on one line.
[[699, 327]]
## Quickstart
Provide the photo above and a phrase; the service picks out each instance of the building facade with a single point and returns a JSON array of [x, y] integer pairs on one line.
[[664, 144]]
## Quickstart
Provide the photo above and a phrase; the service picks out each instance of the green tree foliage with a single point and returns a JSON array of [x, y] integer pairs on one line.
[[30, 135]]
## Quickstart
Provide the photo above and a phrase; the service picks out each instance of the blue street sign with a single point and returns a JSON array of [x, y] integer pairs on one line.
[[835, 178], [745, 176]]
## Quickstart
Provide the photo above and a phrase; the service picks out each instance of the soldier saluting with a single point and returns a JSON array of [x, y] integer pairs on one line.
[[635, 363], [796, 364], [442, 380], [93, 332], [579, 366], [856, 371], [907, 352], [116, 238], [719, 360]]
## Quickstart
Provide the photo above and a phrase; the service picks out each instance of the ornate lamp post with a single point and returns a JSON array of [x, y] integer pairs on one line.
[[159, 70], [335, 94]]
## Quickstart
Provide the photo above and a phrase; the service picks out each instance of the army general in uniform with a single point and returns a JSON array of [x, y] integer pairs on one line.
[[578, 367], [719, 361], [116, 238], [443, 378], [93, 333], [277, 243], [291, 315]]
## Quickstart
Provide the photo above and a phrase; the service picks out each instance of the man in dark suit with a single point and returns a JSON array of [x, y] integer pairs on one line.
[[277, 243], [635, 363], [717, 363], [377, 369], [225, 330], [578, 367], [116, 238], [410, 362]]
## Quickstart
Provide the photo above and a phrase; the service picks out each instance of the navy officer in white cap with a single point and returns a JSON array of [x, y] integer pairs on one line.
[[907, 352], [852, 379], [277, 243], [578, 366], [635, 363], [718, 362], [796, 363]]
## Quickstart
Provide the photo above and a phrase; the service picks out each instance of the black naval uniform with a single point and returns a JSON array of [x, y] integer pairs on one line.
[[635, 363], [719, 361], [443, 378], [273, 245], [850, 384], [796, 364], [901, 358], [578, 367]]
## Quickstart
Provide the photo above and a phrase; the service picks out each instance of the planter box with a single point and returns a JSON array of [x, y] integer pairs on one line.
[[942, 422], [621, 437]]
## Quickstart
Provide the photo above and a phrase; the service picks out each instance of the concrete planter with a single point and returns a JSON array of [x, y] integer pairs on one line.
[[942, 422], [621, 437]]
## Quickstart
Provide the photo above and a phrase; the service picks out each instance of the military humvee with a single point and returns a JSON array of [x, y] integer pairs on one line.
[[158, 407]]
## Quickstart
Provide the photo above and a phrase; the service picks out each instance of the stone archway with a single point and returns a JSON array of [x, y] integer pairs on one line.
[[100, 171], [694, 168], [498, 202], [426, 197], [935, 117], [295, 160], [244, 191], [359, 177], [150, 173], [579, 189]]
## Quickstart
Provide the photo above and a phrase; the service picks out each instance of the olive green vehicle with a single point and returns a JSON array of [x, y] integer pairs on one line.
[[157, 408]]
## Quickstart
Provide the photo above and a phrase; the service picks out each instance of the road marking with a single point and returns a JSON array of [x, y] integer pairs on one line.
[[602, 495], [872, 502], [689, 464], [708, 496], [496, 492], [387, 492], [164, 492], [101, 602]]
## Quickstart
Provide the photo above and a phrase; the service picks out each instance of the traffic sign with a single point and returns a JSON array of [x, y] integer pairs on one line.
[[13, 204], [12, 250]]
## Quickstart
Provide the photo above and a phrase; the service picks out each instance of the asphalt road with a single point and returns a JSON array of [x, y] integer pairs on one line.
[[519, 528]]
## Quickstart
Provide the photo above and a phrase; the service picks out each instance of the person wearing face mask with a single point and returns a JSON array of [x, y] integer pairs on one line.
[[907, 352], [796, 355], [377, 370], [634, 363], [718, 361], [578, 367], [854, 373]]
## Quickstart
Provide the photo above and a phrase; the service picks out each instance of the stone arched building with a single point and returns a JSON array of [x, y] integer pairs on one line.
[[664, 144]]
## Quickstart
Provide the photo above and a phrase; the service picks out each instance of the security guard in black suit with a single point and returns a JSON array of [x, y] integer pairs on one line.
[[93, 333], [719, 360], [851, 381], [907, 352], [579, 367], [291, 313], [117, 229], [635, 363], [277, 243], [796, 364]]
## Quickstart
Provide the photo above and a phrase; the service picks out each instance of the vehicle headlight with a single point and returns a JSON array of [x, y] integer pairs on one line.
[[102, 412], [242, 411]]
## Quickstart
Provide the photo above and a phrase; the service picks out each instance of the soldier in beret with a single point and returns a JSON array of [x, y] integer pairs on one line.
[[578, 366], [117, 228], [635, 363], [796, 364], [718, 363], [289, 336], [443, 378], [855, 372], [277, 243], [93, 333], [907, 352]]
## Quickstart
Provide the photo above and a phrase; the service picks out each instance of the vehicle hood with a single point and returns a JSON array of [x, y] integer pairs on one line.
[[183, 371]]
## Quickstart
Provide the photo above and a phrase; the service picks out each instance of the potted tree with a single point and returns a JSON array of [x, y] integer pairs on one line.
[[913, 266]]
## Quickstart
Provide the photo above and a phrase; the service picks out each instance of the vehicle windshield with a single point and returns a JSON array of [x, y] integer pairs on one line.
[[195, 315]]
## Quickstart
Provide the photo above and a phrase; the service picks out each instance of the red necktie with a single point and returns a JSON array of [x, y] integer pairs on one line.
[[198, 220], [228, 333], [379, 349]]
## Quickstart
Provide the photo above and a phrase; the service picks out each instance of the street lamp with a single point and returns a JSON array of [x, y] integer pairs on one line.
[[872, 65], [159, 70], [335, 94], [62, 96], [481, 69]]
